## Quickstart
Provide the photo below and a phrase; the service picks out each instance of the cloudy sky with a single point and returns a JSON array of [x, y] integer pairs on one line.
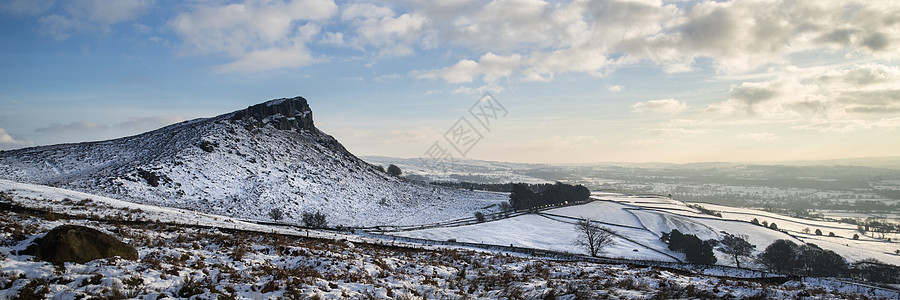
[[578, 81]]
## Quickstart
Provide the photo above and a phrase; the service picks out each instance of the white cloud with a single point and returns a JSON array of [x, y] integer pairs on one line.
[[89, 16], [7, 141], [149, 123], [25, 7], [365, 11], [493, 88], [259, 35], [675, 132], [666, 106], [386, 77], [490, 66], [269, 59], [596, 37], [844, 126], [378, 28], [831, 94], [615, 88], [758, 137], [109, 12], [56, 27]]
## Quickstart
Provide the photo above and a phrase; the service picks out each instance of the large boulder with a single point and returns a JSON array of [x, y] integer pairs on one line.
[[79, 244]]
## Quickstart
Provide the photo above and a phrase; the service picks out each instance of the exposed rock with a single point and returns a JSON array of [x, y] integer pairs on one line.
[[151, 178], [79, 244], [208, 146], [283, 114]]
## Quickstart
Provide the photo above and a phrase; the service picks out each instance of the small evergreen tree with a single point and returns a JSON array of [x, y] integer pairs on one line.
[[818, 231], [394, 170], [695, 250]]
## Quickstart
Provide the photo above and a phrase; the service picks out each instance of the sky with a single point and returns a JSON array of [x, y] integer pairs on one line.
[[561, 81]]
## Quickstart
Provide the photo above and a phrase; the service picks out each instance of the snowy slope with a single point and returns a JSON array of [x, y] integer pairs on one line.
[[187, 262], [243, 164]]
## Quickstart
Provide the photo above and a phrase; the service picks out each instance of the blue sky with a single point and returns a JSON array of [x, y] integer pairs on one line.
[[581, 81]]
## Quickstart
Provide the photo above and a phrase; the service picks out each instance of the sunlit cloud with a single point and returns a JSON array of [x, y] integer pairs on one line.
[[666, 106], [7, 141]]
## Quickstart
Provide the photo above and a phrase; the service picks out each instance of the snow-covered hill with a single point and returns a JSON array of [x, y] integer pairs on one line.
[[243, 164]]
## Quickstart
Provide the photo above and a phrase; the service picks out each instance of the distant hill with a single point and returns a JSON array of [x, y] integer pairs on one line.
[[244, 163]]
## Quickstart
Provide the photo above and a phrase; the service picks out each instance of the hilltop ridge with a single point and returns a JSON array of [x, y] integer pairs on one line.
[[243, 163]]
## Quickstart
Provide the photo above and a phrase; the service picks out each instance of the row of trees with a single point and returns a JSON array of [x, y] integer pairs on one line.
[[310, 219], [392, 169], [522, 196], [781, 256], [807, 259]]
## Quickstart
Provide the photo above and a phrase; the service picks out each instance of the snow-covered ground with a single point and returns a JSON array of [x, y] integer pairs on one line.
[[243, 167], [639, 222], [842, 243], [269, 262]]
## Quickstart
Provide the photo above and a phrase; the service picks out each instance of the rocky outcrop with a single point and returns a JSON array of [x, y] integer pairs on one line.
[[283, 114], [79, 244]]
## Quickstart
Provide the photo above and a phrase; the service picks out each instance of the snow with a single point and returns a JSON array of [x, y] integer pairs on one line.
[[639, 221], [249, 172], [188, 246], [199, 262]]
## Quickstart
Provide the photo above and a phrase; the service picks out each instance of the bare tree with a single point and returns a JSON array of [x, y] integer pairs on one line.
[[737, 247], [593, 237]]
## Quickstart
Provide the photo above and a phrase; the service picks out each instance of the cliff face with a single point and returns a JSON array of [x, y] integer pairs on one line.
[[283, 114]]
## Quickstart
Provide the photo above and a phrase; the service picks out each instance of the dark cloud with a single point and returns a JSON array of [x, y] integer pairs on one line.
[[753, 94], [871, 98], [132, 124], [74, 127], [149, 123], [838, 36], [809, 107], [714, 30], [877, 41]]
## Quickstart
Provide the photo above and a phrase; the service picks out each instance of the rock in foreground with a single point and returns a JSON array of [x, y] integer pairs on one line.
[[72, 243]]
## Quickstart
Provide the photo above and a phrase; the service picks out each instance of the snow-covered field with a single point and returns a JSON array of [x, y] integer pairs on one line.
[[640, 220], [194, 261], [842, 243]]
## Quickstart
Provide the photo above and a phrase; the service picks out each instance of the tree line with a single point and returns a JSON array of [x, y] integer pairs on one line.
[[528, 196]]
